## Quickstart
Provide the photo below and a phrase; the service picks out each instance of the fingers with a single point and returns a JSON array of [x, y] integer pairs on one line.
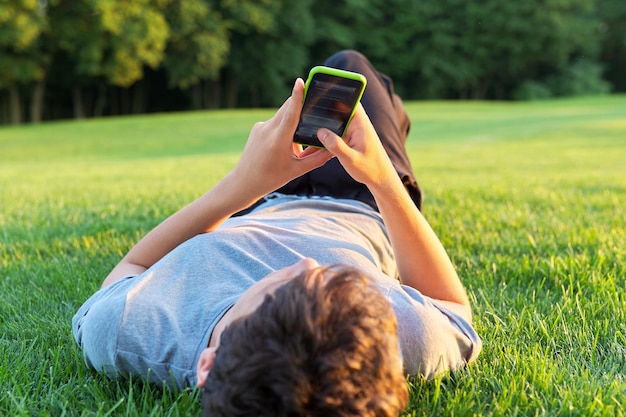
[[360, 119], [292, 117], [288, 114], [333, 143], [297, 148], [314, 157], [327, 138]]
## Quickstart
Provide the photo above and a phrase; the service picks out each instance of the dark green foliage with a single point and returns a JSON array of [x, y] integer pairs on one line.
[[612, 27], [267, 54], [97, 57]]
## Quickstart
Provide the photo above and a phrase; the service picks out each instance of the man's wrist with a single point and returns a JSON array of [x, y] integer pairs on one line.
[[236, 193], [387, 189]]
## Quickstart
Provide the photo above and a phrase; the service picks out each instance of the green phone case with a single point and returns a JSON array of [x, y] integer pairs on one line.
[[337, 73]]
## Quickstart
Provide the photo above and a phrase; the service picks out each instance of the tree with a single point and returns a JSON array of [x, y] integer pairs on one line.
[[95, 57], [111, 39], [384, 30], [456, 48], [269, 45], [197, 47], [565, 42], [22, 23], [612, 27]]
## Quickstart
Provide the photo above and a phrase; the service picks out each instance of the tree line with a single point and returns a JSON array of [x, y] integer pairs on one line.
[[89, 58]]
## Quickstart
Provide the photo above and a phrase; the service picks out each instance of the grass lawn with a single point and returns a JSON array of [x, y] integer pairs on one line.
[[527, 197]]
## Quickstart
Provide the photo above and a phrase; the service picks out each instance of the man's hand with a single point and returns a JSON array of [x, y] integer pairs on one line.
[[270, 159], [360, 152]]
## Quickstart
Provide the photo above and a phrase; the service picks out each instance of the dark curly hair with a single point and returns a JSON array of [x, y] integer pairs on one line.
[[324, 344]]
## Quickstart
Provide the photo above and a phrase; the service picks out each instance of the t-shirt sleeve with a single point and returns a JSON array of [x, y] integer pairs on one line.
[[96, 325], [434, 336]]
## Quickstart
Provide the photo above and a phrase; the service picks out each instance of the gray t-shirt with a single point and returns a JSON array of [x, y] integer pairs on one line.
[[155, 325]]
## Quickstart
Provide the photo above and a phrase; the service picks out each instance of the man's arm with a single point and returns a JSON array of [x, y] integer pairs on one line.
[[422, 260], [268, 161], [202, 215]]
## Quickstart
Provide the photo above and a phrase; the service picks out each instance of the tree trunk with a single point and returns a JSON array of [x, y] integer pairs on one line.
[[196, 96], [37, 103], [15, 104], [255, 97], [4, 109], [115, 102], [500, 92], [124, 100], [138, 99], [231, 93], [212, 93], [98, 107], [480, 88], [79, 106]]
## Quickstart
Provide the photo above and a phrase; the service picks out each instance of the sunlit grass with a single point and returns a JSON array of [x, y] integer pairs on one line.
[[527, 197]]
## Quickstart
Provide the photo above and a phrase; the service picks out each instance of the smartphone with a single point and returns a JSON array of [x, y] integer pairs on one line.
[[330, 99]]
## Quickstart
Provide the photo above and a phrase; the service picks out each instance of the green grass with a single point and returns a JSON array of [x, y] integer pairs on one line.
[[527, 197]]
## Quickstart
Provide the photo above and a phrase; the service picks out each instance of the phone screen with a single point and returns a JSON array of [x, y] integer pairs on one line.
[[329, 103]]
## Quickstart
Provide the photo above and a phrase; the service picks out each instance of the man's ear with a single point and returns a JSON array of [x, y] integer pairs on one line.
[[204, 365]]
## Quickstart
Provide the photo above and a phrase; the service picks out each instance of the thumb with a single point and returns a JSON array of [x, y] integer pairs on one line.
[[333, 143]]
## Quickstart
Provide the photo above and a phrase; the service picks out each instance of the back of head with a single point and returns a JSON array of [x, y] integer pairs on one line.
[[325, 344]]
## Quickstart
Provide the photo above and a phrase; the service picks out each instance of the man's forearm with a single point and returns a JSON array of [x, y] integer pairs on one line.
[[204, 214], [421, 258]]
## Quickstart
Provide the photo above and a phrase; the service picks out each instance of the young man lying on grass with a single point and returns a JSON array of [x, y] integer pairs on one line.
[[306, 282]]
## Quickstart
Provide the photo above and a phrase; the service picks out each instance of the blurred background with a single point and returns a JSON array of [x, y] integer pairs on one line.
[[62, 59]]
